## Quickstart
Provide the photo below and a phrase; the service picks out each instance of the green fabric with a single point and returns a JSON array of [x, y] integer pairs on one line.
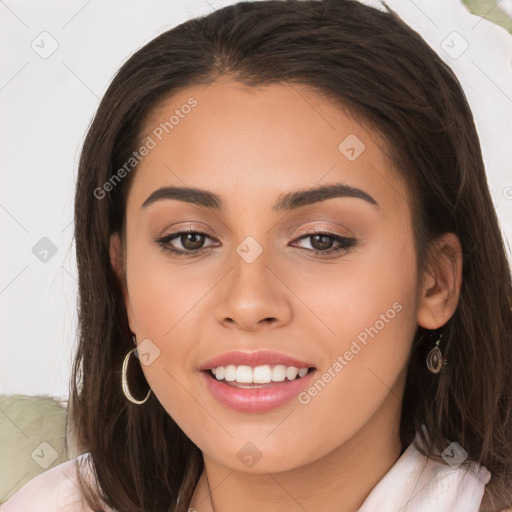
[[32, 439]]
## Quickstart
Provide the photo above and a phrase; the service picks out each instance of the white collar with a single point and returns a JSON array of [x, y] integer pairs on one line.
[[416, 483]]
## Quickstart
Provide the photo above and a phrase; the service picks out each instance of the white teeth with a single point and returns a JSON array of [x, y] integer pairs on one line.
[[259, 374], [291, 372], [279, 373], [262, 374], [230, 373], [244, 374]]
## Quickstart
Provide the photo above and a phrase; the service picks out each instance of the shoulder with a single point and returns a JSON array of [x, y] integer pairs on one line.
[[56, 490], [422, 483]]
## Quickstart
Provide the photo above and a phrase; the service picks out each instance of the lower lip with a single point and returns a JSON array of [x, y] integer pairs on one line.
[[256, 399]]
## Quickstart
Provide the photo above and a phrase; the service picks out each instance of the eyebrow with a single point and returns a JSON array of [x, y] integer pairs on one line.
[[285, 202]]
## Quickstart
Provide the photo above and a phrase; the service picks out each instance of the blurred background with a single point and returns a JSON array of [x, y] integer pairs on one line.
[[57, 60]]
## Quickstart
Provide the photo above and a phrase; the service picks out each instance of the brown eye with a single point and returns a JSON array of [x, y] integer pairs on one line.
[[184, 242], [192, 241], [322, 243]]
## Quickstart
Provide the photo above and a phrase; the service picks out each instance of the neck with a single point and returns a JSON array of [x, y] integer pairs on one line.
[[339, 481]]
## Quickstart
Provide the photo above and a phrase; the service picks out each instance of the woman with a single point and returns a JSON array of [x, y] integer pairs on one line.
[[283, 206]]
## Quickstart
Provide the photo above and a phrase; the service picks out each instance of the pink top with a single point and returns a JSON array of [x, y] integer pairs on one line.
[[414, 483], [55, 490]]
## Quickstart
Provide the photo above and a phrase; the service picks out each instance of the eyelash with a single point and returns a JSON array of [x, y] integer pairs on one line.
[[345, 243]]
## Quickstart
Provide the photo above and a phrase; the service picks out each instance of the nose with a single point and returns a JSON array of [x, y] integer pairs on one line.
[[252, 296]]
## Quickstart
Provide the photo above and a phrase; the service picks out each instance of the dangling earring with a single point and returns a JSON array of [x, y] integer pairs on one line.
[[435, 358], [124, 378]]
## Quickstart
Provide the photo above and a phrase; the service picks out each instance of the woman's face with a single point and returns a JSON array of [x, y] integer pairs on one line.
[[257, 279]]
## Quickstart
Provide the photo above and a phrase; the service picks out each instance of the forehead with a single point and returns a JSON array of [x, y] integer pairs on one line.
[[234, 139]]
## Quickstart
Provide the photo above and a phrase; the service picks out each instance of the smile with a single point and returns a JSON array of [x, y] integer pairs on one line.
[[265, 374], [251, 397]]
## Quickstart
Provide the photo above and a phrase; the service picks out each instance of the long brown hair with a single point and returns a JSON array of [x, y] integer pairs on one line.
[[372, 63]]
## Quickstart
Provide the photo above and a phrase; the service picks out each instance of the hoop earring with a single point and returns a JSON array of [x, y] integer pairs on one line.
[[435, 360], [124, 381]]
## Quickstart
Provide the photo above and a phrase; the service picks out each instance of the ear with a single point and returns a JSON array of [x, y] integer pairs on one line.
[[117, 262], [441, 283]]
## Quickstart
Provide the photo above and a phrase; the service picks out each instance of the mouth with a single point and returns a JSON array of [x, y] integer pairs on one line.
[[264, 376], [235, 387], [255, 382]]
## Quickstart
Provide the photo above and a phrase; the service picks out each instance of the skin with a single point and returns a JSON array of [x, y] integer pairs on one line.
[[250, 145]]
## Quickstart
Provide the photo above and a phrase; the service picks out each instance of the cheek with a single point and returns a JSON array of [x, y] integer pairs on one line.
[[165, 307], [370, 294], [163, 304], [368, 310], [162, 294]]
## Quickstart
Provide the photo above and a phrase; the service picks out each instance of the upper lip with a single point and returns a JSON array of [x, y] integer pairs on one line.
[[259, 358]]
